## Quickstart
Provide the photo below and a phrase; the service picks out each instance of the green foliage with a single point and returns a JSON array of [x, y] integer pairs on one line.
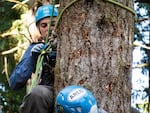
[[8, 15], [7, 43], [141, 27], [10, 100], [11, 21], [143, 106], [146, 6], [11, 25]]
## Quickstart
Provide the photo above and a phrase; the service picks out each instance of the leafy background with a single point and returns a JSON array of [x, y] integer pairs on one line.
[[13, 43]]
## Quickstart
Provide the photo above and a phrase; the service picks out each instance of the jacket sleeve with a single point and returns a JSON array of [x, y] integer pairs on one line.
[[23, 70]]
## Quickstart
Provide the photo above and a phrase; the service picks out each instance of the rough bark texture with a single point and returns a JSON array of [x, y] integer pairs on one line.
[[95, 51]]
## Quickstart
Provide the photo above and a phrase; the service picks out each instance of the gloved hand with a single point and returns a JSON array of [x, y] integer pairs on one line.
[[54, 44], [38, 48]]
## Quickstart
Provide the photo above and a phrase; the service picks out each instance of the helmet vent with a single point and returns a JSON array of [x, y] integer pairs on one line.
[[73, 109], [90, 102], [79, 109]]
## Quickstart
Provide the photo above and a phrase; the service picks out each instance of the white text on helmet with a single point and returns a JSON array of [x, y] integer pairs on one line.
[[76, 94]]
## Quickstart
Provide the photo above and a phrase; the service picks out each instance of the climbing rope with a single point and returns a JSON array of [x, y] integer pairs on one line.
[[50, 23], [36, 77], [121, 5], [62, 11], [41, 56], [110, 1], [38, 70]]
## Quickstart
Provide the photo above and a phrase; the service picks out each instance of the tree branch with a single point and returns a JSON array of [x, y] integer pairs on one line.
[[138, 20], [12, 50]]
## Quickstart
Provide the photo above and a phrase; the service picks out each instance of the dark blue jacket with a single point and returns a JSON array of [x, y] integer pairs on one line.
[[25, 68]]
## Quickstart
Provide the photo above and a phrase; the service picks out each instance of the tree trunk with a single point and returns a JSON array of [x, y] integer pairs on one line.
[[95, 51]]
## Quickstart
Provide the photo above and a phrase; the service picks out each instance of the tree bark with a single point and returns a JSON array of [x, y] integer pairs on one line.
[[95, 51]]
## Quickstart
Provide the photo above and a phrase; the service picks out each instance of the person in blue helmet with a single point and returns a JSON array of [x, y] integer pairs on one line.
[[76, 99], [40, 98]]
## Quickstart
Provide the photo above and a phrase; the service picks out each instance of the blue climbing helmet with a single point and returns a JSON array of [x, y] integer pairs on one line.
[[45, 11], [76, 99]]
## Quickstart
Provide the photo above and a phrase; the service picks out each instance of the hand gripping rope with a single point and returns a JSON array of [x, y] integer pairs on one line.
[[38, 70], [36, 78]]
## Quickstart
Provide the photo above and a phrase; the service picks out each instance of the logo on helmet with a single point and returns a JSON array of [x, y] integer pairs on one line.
[[76, 94], [46, 10]]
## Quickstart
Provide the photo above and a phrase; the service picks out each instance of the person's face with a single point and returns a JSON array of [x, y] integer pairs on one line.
[[43, 26]]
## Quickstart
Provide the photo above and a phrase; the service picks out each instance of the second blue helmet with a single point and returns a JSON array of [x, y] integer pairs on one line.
[[76, 99]]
